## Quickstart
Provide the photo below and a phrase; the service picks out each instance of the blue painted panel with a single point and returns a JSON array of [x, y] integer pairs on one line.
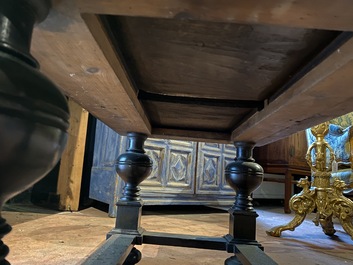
[[104, 180], [103, 185], [106, 146]]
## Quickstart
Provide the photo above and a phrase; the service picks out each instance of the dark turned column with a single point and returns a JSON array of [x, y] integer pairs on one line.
[[244, 176], [133, 167], [33, 112], [17, 19], [4, 250]]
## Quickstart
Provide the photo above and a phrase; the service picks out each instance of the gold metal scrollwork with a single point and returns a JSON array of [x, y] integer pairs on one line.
[[326, 198]]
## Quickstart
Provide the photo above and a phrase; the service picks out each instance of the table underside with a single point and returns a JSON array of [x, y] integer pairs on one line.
[[216, 71]]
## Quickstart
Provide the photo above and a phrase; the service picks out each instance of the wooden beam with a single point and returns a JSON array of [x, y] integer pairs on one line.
[[113, 251], [325, 14], [190, 135], [71, 165], [70, 57], [99, 32], [322, 94]]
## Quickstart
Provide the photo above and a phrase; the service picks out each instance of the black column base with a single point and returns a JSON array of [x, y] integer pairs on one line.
[[128, 216], [242, 224], [128, 220]]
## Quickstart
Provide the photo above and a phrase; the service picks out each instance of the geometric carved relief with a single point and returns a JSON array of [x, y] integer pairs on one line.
[[181, 167], [156, 157], [173, 169], [208, 168], [178, 167], [155, 149], [228, 154], [182, 171], [212, 146], [212, 161], [210, 171], [230, 148]]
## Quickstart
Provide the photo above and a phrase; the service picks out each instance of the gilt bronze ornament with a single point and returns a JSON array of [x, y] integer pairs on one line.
[[323, 194]]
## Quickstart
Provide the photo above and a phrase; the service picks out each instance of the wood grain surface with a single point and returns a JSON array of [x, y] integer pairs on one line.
[[222, 50]]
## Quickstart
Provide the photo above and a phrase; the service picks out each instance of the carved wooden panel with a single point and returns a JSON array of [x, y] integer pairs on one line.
[[104, 184], [229, 153], [212, 160], [287, 152], [174, 164], [183, 172]]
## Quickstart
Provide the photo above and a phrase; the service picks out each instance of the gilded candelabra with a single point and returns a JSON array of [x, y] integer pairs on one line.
[[323, 194]]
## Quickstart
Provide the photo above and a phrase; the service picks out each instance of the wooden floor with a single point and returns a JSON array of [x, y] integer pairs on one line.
[[41, 236]]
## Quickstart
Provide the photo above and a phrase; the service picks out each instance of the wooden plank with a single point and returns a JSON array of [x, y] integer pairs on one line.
[[70, 57], [190, 135], [324, 14], [212, 60], [71, 165], [253, 255], [322, 94], [180, 240], [99, 32], [114, 251], [194, 117]]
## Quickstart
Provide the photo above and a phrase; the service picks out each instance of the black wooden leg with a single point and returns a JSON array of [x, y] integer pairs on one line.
[[244, 176], [4, 250], [33, 112], [133, 167]]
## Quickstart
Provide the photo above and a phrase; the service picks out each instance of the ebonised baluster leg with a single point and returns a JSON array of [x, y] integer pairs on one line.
[[244, 176], [4, 250], [33, 112], [133, 167]]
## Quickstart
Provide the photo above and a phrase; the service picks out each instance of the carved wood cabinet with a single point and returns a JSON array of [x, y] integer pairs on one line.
[[289, 152], [184, 172]]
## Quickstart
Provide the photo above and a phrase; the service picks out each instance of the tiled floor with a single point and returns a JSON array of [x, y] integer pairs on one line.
[[48, 237]]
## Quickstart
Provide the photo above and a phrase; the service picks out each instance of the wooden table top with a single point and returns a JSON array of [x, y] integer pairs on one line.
[[215, 70]]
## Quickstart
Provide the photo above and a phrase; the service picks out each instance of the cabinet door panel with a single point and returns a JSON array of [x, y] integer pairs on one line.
[[228, 154], [156, 150], [183, 172], [212, 160], [288, 152], [104, 184], [173, 169]]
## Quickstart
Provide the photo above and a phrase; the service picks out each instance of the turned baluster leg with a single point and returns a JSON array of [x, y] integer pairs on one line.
[[133, 167], [33, 112], [244, 176], [4, 250]]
